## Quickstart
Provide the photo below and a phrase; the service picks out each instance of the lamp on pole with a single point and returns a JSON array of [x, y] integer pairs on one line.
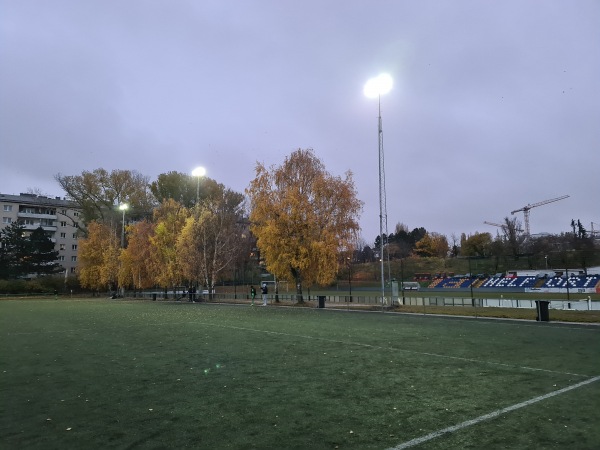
[[375, 88], [123, 207], [349, 261], [198, 172]]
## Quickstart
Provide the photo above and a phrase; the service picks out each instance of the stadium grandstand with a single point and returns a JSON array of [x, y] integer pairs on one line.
[[545, 281]]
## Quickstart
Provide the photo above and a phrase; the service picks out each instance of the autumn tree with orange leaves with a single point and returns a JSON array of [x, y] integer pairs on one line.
[[432, 245], [136, 259], [169, 219], [99, 257], [303, 218], [212, 237]]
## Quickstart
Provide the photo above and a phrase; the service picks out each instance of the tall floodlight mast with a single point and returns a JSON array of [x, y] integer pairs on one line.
[[375, 88], [526, 209]]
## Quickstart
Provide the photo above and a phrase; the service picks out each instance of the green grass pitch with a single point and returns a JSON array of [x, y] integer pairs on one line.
[[149, 375]]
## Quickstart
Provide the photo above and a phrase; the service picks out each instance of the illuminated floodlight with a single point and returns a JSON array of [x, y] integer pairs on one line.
[[199, 172], [378, 86]]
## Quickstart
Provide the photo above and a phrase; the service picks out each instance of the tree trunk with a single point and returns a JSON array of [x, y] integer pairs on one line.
[[299, 297], [298, 280]]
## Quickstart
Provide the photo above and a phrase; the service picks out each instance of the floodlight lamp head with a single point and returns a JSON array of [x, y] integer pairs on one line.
[[199, 172], [123, 206], [378, 86]]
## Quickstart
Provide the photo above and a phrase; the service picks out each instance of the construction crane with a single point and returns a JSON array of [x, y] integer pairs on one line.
[[526, 209], [500, 225], [595, 232]]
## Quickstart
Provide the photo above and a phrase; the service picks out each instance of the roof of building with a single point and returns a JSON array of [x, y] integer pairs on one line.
[[33, 199]]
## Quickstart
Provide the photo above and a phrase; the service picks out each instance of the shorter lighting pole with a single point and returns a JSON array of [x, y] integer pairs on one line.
[[350, 276], [471, 281], [198, 172], [123, 207], [402, 278]]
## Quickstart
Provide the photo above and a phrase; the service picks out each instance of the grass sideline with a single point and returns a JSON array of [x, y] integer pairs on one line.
[[556, 315], [133, 374]]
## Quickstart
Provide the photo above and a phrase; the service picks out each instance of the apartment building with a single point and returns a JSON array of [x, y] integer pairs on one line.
[[59, 218]]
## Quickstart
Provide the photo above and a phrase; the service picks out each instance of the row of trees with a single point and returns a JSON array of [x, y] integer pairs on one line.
[[23, 254], [159, 211], [99, 193], [177, 246], [301, 219], [511, 242]]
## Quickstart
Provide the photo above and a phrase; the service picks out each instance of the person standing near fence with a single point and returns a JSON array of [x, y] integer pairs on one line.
[[264, 291]]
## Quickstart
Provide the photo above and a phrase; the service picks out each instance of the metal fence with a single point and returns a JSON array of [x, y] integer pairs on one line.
[[359, 300]]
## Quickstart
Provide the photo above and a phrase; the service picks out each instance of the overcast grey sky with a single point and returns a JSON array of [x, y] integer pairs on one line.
[[495, 104]]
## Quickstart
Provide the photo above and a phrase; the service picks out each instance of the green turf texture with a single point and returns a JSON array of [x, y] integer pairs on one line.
[[149, 375]]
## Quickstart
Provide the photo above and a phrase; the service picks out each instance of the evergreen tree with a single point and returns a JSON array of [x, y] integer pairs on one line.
[[42, 258], [14, 251], [22, 255]]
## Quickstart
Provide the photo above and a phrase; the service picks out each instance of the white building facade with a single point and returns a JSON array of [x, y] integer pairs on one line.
[[59, 218]]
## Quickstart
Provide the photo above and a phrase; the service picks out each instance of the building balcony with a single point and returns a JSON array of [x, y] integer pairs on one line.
[[25, 215], [37, 225]]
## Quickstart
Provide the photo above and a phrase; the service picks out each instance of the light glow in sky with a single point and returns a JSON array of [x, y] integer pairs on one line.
[[379, 85]]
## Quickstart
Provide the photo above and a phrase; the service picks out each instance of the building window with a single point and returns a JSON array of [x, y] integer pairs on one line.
[[8, 208], [72, 269], [74, 235], [63, 212], [73, 258], [76, 224], [6, 220], [76, 214], [61, 258], [62, 246], [63, 235], [63, 224], [74, 247], [28, 222]]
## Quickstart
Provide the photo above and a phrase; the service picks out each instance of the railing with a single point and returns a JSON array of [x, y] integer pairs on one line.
[[29, 215], [335, 300], [359, 300], [28, 294], [35, 226]]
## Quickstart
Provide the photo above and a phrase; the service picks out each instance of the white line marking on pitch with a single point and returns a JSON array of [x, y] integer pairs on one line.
[[360, 344], [489, 416], [436, 355]]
